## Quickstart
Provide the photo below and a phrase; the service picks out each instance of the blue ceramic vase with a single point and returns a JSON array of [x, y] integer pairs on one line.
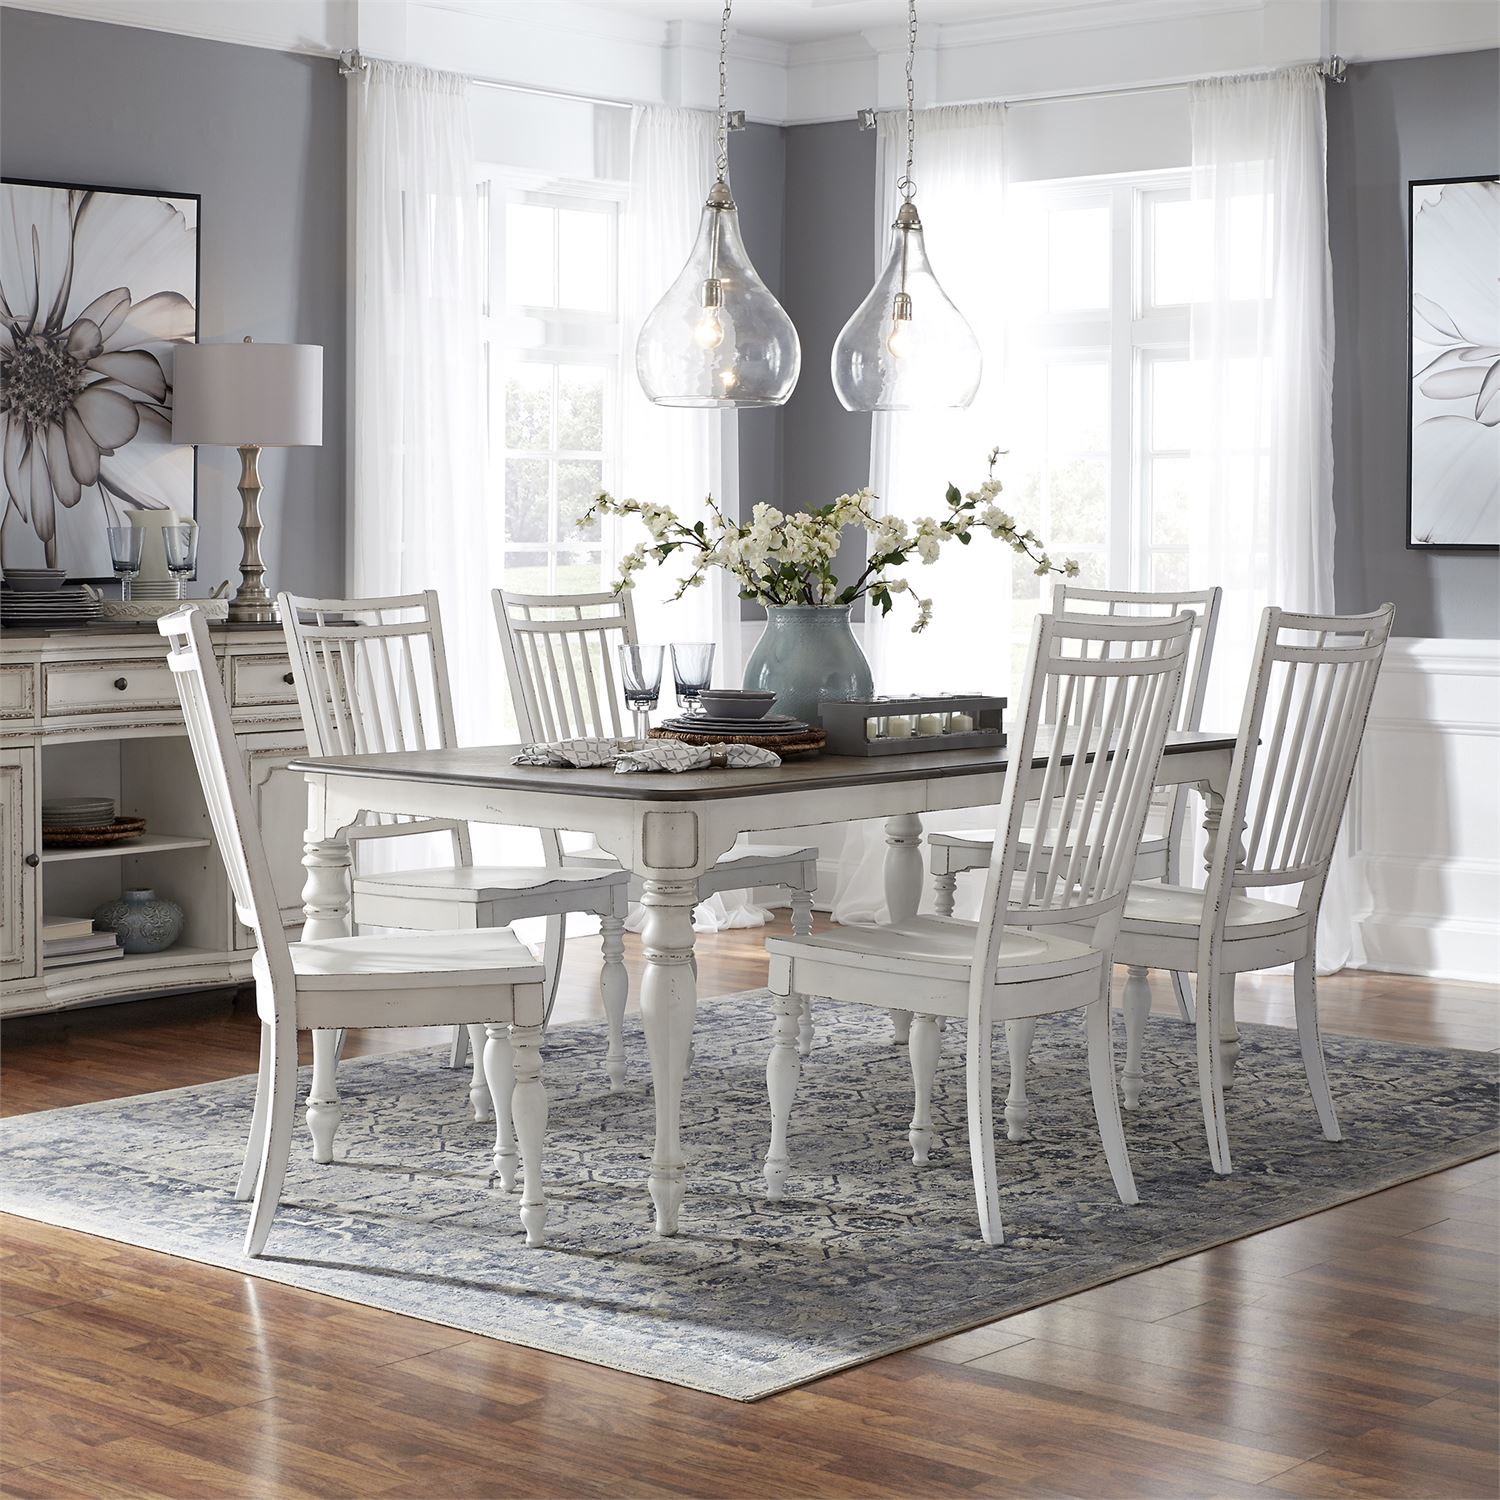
[[144, 923], [808, 654]]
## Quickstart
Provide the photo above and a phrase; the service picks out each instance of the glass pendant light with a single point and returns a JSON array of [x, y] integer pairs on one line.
[[718, 337], [907, 346]]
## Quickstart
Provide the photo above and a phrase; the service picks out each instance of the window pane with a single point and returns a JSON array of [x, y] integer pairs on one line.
[[1171, 503], [527, 573], [526, 499], [580, 407], [578, 482], [1176, 254], [1169, 570], [1171, 406], [583, 279], [1077, 408], [1078, 492], [580, 573], [528, 255], [528, 407], [1078, 258]]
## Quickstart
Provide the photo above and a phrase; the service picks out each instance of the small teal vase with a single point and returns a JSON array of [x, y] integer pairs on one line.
[[807, 655], [144, 923]]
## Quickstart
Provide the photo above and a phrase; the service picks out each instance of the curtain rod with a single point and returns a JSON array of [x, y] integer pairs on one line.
[[357, 62]]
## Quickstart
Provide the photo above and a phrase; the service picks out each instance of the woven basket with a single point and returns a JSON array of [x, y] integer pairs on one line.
[[787, 746], [121, 831]]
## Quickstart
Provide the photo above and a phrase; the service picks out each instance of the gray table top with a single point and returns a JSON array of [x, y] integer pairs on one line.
[[489, 768]]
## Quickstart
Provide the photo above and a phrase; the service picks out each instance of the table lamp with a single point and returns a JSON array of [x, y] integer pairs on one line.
[[249, 396]]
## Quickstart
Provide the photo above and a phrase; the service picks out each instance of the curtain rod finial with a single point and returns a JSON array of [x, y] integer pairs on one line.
[[866, 118], [351, 62]]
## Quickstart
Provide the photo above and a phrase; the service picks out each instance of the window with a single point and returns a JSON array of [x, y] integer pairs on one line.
[[551, 353], [1102, 401]]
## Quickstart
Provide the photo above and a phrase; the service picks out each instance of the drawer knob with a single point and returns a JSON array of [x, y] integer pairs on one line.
[[289, 679], [122, 683], [32, 861]]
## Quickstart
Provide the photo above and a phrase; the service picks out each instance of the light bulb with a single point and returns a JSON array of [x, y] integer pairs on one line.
[[902, 338], [708, 331]]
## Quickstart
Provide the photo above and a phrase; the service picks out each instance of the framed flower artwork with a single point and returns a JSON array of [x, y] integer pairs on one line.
[[1453, 375], [96, 287]]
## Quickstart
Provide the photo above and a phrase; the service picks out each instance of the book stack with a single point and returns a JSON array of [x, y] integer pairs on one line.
[[72, 940]]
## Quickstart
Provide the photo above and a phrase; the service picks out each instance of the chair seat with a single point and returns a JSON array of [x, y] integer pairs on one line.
[[1177, 911], [480, 883], [941, 948], [415, 960]]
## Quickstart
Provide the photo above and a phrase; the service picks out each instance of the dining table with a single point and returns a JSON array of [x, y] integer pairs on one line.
[[670, 828]]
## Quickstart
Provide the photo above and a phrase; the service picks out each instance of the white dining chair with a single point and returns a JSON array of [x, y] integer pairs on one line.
[[1160, 854], [372, 676], [560, 657], [487, 980], [1062, 856], [1304, 719]]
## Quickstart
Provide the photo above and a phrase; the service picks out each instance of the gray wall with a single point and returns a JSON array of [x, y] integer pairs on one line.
[[261, 136], [1388, 123]]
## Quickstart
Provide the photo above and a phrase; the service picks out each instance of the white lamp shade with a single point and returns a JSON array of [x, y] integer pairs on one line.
[[232, 395]]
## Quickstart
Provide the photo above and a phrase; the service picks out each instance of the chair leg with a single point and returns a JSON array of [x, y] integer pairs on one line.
[[458, 1047], [1210, 1087], [1182, 988], [923, 1048], [500, 1071], [1106, 1101], [479, 1089], [1136, 1003], [529, 1107], [900, 1027], [1305, 992], [553, 944], [256, 1145], [982, 1126], [944, 894], [1018, 1039], [783, 1068], [802, 926], [277, 1149], [323, 1108], [614, 991]]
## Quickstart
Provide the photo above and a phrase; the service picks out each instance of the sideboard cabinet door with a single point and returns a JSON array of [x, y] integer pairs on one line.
[[20, 864], [280, 800]]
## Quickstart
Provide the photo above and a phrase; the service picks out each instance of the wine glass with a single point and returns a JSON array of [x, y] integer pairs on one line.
[[181, 543], [640, 676], [692, 671], [125, 544]]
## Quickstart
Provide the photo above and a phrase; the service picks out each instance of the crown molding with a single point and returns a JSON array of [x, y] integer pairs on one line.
[[312, 27]]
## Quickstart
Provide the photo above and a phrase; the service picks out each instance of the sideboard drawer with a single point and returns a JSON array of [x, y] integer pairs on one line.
[[120, 687], [18, 692], [261, 682]]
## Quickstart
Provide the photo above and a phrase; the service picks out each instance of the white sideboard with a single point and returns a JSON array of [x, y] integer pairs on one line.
[[94, 711]]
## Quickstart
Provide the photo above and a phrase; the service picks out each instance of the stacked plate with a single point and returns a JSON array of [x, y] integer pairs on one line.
[[73, 604], [154, 588], [35, 580], [772, 724], [77, 812]]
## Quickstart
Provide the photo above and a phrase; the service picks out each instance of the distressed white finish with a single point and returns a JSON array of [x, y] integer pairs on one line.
[[561, 657], [372, 676], [1112, 685], [1160, 852], [1304, 719], [323, 986]]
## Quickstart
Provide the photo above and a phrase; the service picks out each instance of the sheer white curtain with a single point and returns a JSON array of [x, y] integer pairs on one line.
[[674, 456], [913, 455], [1262, 359]]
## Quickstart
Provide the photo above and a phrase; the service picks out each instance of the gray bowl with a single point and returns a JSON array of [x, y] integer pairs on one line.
[[736, 703], [35, 580]]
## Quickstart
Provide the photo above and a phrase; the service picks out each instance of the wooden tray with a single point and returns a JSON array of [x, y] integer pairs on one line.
[[787, 746], [94, 836]]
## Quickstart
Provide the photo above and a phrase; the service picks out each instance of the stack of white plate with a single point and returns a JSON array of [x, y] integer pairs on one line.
[[708, 724], [77, 812], [154, 588], [73, 604]]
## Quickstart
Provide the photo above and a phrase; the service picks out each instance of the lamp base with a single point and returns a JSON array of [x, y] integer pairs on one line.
[[252, 603]]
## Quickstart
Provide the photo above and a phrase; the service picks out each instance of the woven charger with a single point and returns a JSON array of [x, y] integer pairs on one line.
[[787, 746], [121, 831]]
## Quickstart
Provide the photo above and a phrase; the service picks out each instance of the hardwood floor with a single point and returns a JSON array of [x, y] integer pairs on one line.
[[1349, 1354]]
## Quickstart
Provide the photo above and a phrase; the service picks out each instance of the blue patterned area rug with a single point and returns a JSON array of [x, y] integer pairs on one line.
[[867, 1255]]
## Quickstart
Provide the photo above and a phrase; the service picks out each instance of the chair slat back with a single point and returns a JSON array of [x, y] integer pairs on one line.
[[1304, 720], [561, 656], [1115, 682], [226, 790]]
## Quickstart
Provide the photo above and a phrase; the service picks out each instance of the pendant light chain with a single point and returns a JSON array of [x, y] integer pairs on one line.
[[723, 118], [907, 186]]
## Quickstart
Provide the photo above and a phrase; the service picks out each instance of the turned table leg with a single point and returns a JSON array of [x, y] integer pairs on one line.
[[903, 890], [327, 905]]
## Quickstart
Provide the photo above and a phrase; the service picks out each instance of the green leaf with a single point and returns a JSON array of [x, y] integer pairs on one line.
[[955, 496]]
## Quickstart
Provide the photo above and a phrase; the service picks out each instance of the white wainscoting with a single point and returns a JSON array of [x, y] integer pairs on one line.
[[1426, 816]]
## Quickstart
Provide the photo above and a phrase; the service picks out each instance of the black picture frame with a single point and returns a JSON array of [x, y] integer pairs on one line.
[[1412, 186], [173, 195]]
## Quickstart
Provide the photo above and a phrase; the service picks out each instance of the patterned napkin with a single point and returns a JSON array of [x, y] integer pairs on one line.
[[644, 755]]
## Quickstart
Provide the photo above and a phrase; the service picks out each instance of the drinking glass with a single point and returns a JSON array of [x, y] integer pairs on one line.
[[181, 543], [125, 544], [640, 675], [692, 671]]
